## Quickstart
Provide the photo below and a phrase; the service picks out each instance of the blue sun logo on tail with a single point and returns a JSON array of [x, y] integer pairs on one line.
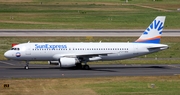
[[155, 25]]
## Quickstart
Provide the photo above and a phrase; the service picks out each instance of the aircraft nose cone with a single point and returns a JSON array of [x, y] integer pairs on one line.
[[7, 54]]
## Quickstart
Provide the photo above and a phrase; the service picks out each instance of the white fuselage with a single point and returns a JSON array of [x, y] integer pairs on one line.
[[89, 51], [73, 54]]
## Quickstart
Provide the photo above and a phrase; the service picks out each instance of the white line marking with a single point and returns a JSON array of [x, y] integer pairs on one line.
[[6, 63], [173, 66], [176, 74]]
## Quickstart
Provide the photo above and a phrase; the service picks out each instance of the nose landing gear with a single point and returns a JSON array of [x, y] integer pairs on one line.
[[27, 65]]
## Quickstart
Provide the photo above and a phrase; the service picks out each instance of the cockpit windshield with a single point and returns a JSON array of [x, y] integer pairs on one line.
[[15, 48]]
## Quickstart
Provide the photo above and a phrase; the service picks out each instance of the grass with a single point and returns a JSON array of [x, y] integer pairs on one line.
[[86, 14], [151, 85], [170, 56]]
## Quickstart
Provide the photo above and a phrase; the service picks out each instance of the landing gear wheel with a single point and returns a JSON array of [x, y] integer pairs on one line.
[[79, 66], [86, 67], [26, 67]]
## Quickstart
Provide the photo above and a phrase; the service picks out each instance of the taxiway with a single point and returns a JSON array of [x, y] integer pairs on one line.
[[14, 69]]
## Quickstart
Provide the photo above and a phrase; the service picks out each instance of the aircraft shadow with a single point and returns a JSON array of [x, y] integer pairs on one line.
[[130, 67], [99, 68]]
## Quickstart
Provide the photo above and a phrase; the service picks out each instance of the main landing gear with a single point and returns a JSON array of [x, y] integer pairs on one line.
[[86, 67], [27, 65], [80, 66]]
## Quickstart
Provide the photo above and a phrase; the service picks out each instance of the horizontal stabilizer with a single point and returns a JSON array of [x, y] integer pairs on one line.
[[159, 46]]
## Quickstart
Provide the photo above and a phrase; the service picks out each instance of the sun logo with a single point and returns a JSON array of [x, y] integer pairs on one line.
[[156, 26]]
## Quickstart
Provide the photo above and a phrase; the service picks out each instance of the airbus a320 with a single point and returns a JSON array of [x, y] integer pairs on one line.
[[78, 54]]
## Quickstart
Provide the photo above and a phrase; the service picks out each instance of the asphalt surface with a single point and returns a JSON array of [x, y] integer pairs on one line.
[[55, 32], [14, 69]]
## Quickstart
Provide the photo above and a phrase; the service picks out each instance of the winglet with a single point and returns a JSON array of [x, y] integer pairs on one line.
[[153, 33]]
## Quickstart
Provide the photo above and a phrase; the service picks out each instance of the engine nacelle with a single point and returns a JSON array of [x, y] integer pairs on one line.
[[68, 62], [53, 62]]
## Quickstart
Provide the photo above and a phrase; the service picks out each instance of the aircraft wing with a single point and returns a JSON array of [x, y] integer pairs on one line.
[[86, 55], [81, 55]]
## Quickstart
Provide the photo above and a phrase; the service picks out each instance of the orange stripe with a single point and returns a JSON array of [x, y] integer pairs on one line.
[[139, 40]]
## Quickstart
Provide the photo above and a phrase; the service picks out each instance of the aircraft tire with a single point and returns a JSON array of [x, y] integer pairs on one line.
[[86, 67], [79, 66], [26, 67]]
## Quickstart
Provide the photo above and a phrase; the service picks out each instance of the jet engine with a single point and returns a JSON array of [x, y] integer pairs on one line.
[[68, 62]]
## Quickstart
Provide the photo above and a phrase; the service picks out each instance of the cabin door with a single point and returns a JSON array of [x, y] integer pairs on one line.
[[28, 51], [136, 49]]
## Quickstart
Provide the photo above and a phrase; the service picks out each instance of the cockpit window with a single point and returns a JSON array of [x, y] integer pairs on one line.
[[15, 48]]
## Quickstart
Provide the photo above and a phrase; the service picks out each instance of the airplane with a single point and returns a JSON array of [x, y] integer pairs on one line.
[[78, 54]]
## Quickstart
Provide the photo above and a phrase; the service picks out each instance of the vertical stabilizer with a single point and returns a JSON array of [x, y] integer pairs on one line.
[[153, 33]]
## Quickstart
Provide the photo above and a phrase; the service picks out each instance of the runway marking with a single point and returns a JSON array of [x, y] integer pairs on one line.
[[177, 74], [6, 63], [173, 66]]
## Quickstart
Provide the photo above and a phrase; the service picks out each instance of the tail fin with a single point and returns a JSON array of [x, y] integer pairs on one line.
[[153, 33]]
